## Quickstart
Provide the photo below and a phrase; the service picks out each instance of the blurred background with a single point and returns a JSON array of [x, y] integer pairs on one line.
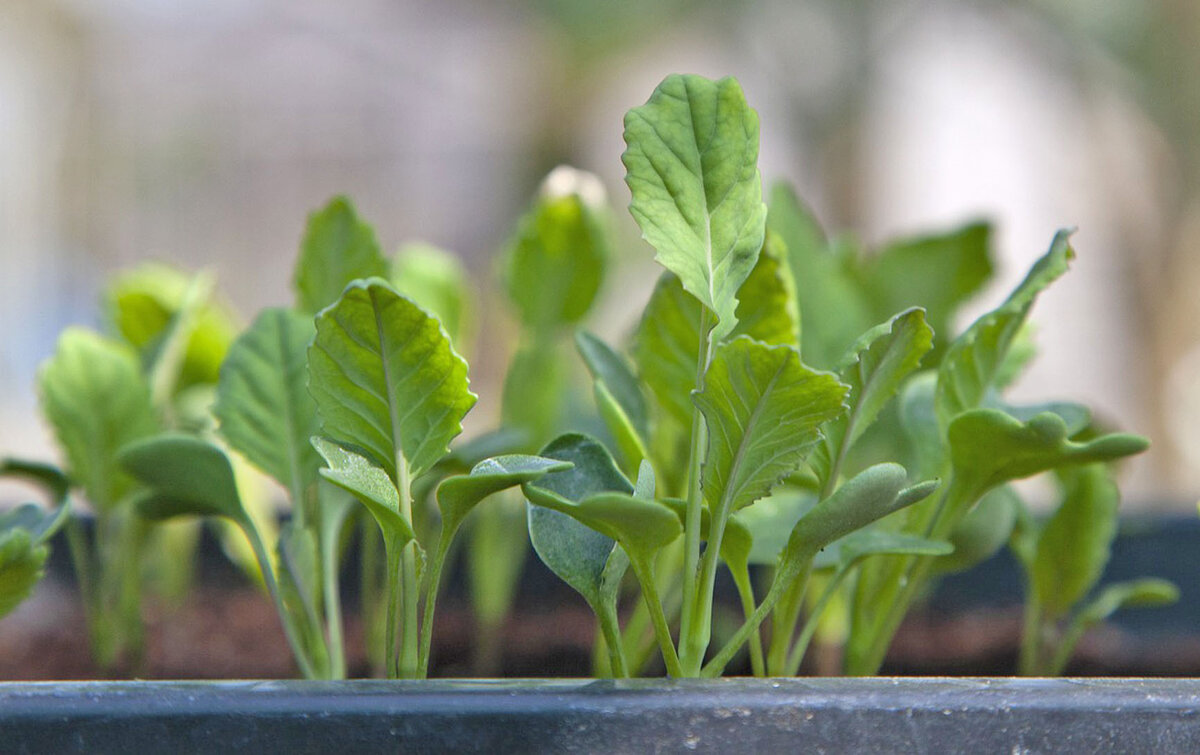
[[203, 132]]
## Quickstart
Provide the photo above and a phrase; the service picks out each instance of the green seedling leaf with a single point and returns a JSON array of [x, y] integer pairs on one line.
[[555, 263], [989, 448], [666, 346], [918, 421], [456, 496], [767, 309], [1147, 592], [644, 487], [337, 248], [370, 484], [833, 309], [1077, 416], [48, 476], [691, 164], [386, 379], [937, 273], [609, 367], [867, 497], [975, 361], [770, 521], [21, 568], [186, 476], [263, 406], [846, 553], [875, 369], [96, 400], [575, 552], [436, 281], [37, 521], [1075, 543], [983, 531], [152, 305], [763, 409]]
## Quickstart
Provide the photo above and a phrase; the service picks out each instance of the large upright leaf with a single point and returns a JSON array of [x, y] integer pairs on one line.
[[989, 448], [437, 282], [337, 248], [263, 405], [1074, 545], [833, 308], [974, 362], [875, 369], [95, 398], [937, 272], [763, 409], [691, 164], [386, 379], [556, 260]]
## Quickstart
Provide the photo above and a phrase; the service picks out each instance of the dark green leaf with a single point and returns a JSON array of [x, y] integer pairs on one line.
[[833, 310], [982, 532], [607, 365], [263, 405], [186, 476]]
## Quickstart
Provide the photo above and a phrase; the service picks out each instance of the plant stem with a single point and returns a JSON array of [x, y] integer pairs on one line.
[[264, 565], [645, 576], [1031, 637], [694, 633], [610, 629], [797, 569], [432, 583], [333, 604], [784, 621], [393, 607], [796, 657], [741, 578]]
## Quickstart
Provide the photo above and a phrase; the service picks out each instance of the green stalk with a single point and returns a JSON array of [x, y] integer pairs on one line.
[[783, 578], [264, 564], [741, 578], [796, 657], [784, 621], [411, 599], [645, 576], [610, 629], [694, 634], [393, 607], [333, 606], [1031, 638], [432, 581]]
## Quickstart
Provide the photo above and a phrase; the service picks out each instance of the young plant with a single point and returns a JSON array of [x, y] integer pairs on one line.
[[1063, 560], [743, 441], [101, 392]]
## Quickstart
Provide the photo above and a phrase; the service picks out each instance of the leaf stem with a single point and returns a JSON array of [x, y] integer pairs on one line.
[[268, 571], [610, 628], [432, 580], [745, 588], [391, 657], [645, 575], [694, 638], [333, 601]]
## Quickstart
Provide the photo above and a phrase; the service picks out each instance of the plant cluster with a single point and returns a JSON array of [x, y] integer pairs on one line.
[[790, 410]]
